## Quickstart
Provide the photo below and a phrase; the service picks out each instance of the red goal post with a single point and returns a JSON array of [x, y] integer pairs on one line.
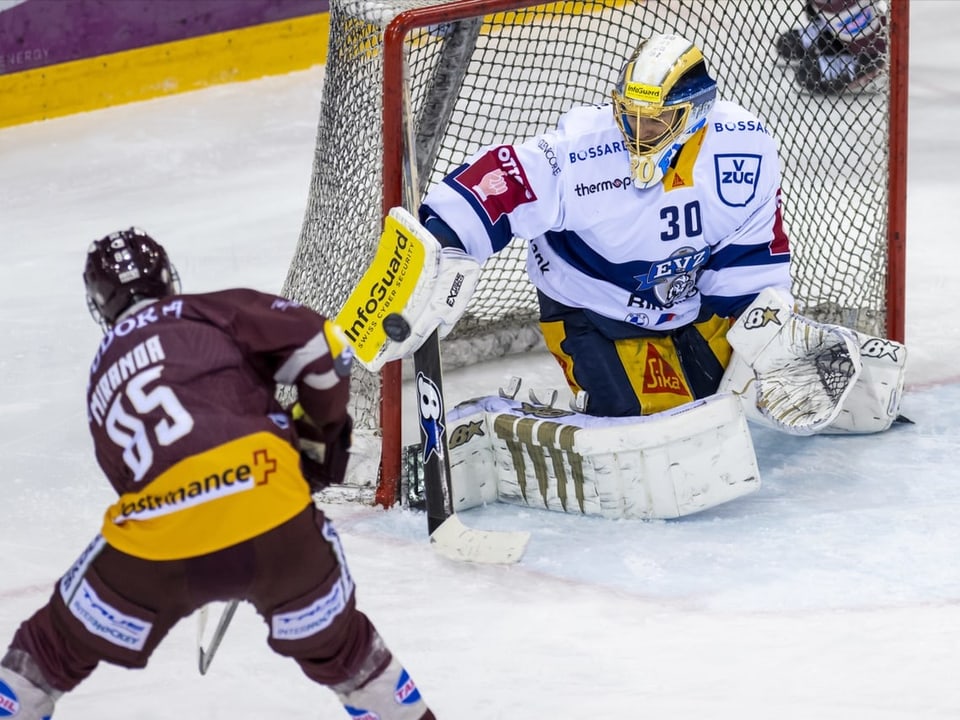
[[413, 86]]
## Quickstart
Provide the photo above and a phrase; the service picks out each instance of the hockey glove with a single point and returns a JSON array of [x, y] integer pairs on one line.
[[324, 452], [792, 373], [413, 276]]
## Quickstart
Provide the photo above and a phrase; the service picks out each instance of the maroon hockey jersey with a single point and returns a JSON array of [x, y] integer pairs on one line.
[[185, 423]]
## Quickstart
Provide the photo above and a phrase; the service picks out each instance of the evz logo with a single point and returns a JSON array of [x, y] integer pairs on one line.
[[431, 416], [737, 178], [674, 279]]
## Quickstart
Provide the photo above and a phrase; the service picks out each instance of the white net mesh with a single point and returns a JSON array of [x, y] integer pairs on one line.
[[509, 75]]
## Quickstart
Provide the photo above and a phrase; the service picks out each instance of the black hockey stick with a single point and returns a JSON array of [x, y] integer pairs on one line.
[[433, 433], [448, 536]]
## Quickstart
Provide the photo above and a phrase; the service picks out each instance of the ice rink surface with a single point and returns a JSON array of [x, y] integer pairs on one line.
[[832, 593]]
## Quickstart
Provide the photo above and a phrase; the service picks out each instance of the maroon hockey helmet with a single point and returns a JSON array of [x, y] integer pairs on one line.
[[123, 268]]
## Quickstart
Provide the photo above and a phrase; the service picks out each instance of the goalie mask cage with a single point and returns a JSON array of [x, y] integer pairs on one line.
[[413, 86]]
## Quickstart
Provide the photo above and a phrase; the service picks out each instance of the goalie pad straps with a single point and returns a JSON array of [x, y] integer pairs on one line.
[[414, 276], [792, 373]]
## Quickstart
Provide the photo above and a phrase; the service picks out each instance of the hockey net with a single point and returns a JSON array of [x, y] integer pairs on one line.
[[474, 72]]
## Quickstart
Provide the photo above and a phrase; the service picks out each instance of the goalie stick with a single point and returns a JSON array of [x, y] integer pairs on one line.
[[448, 535]]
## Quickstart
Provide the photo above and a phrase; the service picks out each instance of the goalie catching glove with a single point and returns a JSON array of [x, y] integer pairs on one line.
[[792, 373], [804, 377], [324, 452], [411, 275]]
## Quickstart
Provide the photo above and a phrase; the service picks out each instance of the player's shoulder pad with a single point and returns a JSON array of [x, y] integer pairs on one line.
[[586, 119]]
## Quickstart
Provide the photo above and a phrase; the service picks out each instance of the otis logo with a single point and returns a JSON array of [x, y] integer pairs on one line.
[[497, 181]]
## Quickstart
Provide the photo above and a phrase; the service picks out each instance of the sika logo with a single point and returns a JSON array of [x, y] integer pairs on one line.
[[660, 377]]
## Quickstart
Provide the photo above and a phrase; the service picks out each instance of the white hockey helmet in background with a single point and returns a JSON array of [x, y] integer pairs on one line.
[[661, 99]]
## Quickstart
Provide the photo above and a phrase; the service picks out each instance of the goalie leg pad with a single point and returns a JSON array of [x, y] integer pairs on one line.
[[659, 466]]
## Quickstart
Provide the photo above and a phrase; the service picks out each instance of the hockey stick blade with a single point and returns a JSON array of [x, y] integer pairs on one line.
[[456, 541], [205, 655]]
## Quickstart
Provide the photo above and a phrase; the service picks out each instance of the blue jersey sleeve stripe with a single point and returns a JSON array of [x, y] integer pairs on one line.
[[746, 256]]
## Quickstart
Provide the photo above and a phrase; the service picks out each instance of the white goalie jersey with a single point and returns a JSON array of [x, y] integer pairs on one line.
[[709, 235]]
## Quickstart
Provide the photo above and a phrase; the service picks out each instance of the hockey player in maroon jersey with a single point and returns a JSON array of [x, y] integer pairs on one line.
[[214, 502]]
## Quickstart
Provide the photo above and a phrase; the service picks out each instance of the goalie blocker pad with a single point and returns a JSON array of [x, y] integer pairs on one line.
[[780, 356], [413, 276], [661, 466]]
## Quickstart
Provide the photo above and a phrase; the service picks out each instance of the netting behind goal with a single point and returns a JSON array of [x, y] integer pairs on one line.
[[486, 72]]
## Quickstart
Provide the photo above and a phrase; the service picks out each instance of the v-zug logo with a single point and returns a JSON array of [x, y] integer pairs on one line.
[[737, 178]]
